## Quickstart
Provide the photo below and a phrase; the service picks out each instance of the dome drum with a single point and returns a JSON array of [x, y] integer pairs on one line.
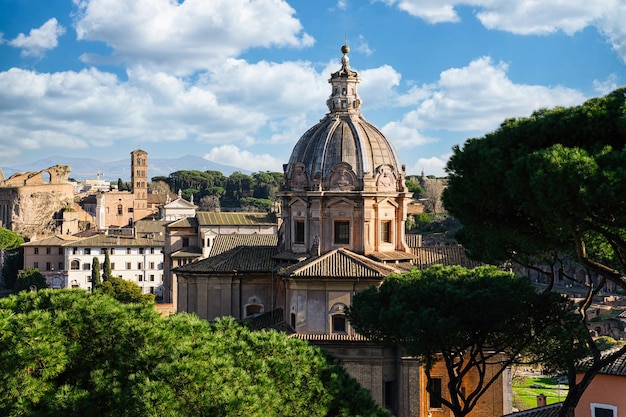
[[344, 184]]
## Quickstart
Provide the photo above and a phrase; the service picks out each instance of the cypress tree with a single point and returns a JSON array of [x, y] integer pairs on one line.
[[107, 266], [95, 273]]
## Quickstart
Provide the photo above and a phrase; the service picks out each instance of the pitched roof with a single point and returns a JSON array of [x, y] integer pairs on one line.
[[160, 198], [339, 263], [551, 410], [223, 243], [189, 252], [209, 218], [427, 256], [239, 259], [150, 226], [395, 256], [105, 241], [271, 320], [56, 240], [185, 222], [616, 368], [317, 337]]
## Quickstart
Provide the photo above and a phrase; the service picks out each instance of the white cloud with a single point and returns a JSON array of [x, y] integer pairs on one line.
[[603, 87], [377, 88], [39, 40], [182, 37], [430, 11], [403, 136], [267, 105], [530, 17], [274, 89], [480, 96], [363, 47], [430, 166], [234, 156], [612, 26]]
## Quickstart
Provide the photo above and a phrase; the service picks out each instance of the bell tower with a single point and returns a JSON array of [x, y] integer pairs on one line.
[[139, 181]]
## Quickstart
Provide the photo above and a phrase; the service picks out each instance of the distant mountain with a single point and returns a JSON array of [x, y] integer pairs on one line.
[[88, 168]]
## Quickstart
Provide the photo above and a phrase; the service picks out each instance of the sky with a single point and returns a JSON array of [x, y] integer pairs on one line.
[[239, 81]]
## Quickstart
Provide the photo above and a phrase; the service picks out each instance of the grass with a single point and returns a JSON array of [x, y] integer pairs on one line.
[[525, 397]]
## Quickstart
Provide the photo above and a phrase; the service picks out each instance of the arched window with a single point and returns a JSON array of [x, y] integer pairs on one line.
[[120, 210], [75, 264], [338, 321], [254, 307]]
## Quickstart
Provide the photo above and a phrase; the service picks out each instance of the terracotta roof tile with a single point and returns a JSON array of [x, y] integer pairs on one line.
[[223, 243], [551, 410], [339, 263], [241, 258], [209, 218], [271, 320], [150, 226], [55, 240], [185, 222], [427, 256], [616, 368], [103, 241], [329, 337], [190, 252], [392, 256]]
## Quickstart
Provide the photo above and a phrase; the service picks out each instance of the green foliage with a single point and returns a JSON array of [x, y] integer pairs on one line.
[[525, 397], [10, 240], [414, 187], [469, 319], [552, 183], [73, 353], [548, 189], [106, 269], [96, 280], [122, 186], [125, 291], [30, 278], [13, 263], [607, 342], [237, 190], [256, 204]]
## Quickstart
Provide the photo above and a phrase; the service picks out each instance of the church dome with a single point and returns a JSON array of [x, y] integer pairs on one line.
[[343, 145]]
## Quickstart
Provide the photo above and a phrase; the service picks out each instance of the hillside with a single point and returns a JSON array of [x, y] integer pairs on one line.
[[88, 168]]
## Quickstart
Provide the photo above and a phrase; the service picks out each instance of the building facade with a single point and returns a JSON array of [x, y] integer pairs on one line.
[[135, 253], [343, 207], [31, 203]]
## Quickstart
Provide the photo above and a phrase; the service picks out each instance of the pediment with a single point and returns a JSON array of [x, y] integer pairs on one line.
[[298, 201], [180, 203], [339, 264], [387, 201], [341, 201]]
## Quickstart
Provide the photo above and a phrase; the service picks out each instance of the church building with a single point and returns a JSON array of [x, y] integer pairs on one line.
[[342, 228]]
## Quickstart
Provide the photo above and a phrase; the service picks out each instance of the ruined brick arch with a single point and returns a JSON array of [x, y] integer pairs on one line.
[[54, 175]]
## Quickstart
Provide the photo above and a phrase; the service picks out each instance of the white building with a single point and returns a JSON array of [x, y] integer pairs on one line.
[[135, 253]]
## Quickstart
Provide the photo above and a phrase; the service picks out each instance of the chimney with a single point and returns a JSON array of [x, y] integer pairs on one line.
[[541, 400]]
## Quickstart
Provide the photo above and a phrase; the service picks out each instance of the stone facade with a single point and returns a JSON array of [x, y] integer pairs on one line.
[[344, 204], [31, 203]]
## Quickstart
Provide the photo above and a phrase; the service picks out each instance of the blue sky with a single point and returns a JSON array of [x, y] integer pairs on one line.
[[239, 82]]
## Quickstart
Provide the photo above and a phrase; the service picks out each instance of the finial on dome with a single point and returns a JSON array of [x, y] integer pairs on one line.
[[345, 49]]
